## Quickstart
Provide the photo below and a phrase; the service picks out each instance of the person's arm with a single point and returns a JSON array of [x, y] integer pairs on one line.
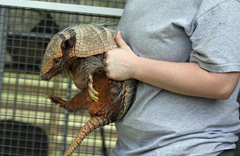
[[183, 78]]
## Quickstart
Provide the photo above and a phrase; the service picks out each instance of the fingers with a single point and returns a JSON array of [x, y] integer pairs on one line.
[[107, 74], [109, 57], [114, 59], [106, 68], [120, 42], [106, 63], [105, 60]]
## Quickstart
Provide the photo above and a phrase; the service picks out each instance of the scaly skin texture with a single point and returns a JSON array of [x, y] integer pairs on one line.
[[82, 47], [96, 121], [75, 42]]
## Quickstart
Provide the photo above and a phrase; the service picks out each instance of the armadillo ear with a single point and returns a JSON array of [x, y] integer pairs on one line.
[[66, 44]]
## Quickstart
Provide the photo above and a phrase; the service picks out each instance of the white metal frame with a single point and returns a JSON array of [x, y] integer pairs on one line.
[[62, 7]]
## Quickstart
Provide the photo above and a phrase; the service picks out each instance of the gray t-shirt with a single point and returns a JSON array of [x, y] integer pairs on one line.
[[163, 123]]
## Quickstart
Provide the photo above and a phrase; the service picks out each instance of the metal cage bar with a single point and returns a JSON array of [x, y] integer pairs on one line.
[[25, 29], [63, 7], [23, 95]]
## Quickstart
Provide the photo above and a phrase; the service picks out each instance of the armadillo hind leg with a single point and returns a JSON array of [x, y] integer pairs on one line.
[[94, 123]]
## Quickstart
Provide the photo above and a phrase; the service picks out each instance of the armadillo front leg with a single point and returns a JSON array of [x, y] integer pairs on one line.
[[94, 123], [87, 73], [92, 92], [75, 104]]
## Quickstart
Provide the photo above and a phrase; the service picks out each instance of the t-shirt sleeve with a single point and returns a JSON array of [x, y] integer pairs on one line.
[[216, 38]]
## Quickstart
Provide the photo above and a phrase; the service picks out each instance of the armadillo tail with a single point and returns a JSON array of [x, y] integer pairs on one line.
[[94, 123]]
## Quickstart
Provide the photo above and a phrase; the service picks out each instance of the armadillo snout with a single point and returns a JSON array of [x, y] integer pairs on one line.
[[44, 77]]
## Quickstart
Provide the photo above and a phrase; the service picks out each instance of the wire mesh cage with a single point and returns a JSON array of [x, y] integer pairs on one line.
[[29, 124]]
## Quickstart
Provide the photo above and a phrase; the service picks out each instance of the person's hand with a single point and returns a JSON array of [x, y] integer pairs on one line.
[[119, 62]]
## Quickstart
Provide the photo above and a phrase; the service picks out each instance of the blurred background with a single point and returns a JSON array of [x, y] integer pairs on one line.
[[30, 125]]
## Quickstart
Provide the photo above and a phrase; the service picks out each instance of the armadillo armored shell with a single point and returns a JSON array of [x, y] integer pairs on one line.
[[78, 41]]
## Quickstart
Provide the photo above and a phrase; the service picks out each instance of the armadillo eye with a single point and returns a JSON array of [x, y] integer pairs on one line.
[[56, 60], [66, 44]]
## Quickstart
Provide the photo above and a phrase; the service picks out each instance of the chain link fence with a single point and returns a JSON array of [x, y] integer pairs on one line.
[[29, 124]]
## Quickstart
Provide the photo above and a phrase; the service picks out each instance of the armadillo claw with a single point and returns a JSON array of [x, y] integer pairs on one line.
[[90, 86], [69, 74], [92, 96], [52, 99], [90, 78], [91, 90]]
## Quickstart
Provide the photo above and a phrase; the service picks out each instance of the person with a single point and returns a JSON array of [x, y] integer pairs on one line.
[[185, 55]]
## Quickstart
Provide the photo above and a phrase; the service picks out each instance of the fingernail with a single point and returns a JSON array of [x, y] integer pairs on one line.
[[119, 33]]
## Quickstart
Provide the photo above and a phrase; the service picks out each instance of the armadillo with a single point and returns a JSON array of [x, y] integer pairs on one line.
[[106, 100]]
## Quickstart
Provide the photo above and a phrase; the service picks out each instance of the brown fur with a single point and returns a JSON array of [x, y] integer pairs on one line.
[[105, 107], [65, 52]]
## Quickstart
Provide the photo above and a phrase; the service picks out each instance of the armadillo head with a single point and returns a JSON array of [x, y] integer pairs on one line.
[[56, 56], [74, 42]]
